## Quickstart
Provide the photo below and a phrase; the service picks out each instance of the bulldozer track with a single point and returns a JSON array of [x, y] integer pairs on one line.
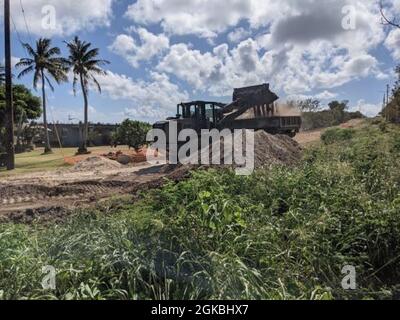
[[12, 195]]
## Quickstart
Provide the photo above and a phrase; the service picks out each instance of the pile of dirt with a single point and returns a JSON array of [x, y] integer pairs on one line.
[[275, 149], [97, 163], [268, 150], [123, 158]]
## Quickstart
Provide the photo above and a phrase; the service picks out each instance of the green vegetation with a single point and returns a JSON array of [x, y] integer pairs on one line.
[[27, 107], [131, 133], [315, 118], [283, 233], [34, 161], [334, 135]]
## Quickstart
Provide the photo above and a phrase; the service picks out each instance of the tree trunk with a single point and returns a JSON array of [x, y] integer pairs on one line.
[[47, 148], [83, 148]]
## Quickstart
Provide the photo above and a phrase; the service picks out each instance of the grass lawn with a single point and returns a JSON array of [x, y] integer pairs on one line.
[[35, 161]]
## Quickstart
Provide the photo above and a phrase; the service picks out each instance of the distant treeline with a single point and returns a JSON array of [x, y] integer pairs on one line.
[[327, 118], [315, 116]]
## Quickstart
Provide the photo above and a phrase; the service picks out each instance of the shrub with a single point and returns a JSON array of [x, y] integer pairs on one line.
[[131, 133], [334, 135]]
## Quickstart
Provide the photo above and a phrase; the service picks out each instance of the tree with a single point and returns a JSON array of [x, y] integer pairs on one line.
[[45, 63], [340, 106], [132, 133], [2, 75], [85, 65], [27, 107], [338, 110]]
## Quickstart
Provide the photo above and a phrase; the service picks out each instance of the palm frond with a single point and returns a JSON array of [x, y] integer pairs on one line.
[[36, 77], [29, 49], [49, 83], [96, 83], [74, 83], [27, 70], [44, 59], [84, 62]]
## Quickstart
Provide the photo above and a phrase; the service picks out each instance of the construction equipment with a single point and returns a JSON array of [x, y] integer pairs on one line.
[[252, 108]]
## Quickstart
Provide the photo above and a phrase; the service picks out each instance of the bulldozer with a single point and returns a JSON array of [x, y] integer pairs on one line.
[[251, 108]]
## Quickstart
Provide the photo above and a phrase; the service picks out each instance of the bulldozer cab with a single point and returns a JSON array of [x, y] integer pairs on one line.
[[199, 114]]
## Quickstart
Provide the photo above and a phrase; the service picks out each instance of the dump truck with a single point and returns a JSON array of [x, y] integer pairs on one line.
[[251, 108]]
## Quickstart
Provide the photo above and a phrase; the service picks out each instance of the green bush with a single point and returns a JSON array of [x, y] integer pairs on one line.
[[334, 135], [131, 133]]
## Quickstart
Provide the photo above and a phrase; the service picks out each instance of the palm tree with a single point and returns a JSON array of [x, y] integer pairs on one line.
[[2, 75], [45, 63], [85, 65]]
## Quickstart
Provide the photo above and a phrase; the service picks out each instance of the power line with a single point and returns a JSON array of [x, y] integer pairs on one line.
[[26, 23], [16, 30], [18, 35]]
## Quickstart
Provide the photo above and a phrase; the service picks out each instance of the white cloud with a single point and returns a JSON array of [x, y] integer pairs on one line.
[[14, 61], [146, 113], [153, 99], [294, 70], [324, 95], [392, 43], [188, 64], [368, 109], [302, 46], [219, 71], [205, 18], [150, 46], [300, 21], [70, 16], [238, 35]]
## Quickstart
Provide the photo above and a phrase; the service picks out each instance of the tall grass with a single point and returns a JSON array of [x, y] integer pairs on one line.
[[278, 234]]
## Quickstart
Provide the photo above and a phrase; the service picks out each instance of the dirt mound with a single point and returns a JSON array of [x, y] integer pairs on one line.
[[275, 149], [97, 163], [268, 150]]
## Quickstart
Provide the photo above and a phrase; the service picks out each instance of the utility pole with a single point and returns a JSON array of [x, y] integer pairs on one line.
[[384, 102], [387, 94], [9, 97]]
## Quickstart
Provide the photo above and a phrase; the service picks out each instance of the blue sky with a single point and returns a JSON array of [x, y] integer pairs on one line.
[[166, 51]]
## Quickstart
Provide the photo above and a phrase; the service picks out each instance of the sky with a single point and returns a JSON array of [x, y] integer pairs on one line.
[[163, 52]]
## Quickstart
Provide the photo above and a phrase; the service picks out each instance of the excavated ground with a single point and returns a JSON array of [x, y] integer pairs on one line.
[[52, 196]]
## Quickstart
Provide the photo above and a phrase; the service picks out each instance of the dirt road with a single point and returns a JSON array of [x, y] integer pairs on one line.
[[306, 137], [71, 188]]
